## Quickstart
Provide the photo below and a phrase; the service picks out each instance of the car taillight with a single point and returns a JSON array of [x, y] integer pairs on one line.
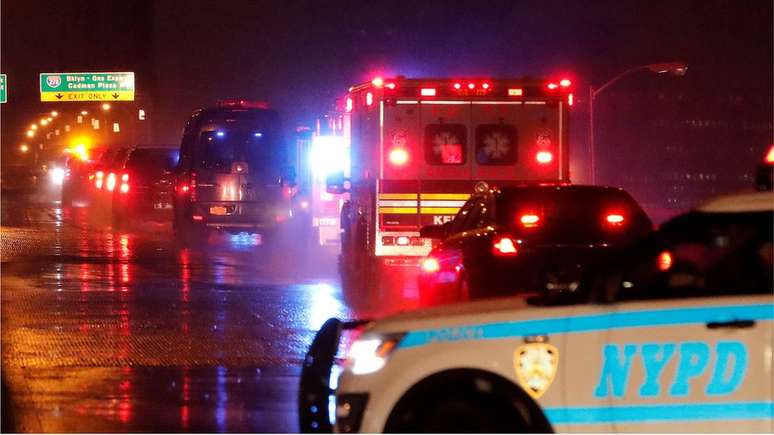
[[125, 183], [99, 178], [187, 186], [430, 265], [505, 246], [614, 219], [110, 184], [664, 262], [529, 220]]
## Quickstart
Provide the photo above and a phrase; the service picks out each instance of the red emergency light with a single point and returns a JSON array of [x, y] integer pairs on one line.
[[544, 157], [350, 104], [770, 155], [614, 219], [378, 82], [399, 156], [369, 98]]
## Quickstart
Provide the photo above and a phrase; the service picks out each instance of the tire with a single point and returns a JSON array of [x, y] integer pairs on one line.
[[457, 414], [188, 232]]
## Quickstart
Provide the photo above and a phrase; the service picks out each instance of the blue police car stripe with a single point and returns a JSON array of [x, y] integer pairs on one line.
[[590, 323], [661, 413]]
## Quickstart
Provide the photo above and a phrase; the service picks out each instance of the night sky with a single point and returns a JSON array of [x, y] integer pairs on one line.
[[301, 55]]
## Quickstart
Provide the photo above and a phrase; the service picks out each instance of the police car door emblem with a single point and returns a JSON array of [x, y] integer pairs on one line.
[[536, 365]]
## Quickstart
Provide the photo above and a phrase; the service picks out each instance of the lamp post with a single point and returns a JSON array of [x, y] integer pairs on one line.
[[674, 68]]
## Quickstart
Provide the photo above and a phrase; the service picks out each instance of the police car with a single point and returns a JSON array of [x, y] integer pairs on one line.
[[676, 335]]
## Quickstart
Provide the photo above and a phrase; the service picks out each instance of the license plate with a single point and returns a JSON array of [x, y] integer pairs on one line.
[[218, 211], [162, 206]]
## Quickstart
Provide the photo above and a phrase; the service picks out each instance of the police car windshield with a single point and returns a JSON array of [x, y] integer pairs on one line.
[[571, 215]]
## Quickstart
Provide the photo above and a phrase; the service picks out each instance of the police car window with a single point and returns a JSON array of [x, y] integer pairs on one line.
[[446, 144], [706, 255], [496, 144]]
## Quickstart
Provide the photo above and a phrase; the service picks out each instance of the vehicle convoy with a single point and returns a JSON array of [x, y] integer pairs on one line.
[[535, 238], [418, 146], [233, 172], [673, 333], [145, 185]]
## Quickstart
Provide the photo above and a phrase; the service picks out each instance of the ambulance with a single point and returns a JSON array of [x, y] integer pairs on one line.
[[419, 146], [674, 335]]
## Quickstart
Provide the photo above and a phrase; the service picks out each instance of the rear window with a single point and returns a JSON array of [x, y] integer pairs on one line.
[[446, 144], [570, 215], [152, 162], [221, 148], [496, 144]]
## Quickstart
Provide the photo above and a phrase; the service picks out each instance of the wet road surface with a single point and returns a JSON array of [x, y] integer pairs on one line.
[[131, 331]]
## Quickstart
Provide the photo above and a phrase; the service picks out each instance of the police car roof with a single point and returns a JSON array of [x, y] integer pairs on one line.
[[739, 202]]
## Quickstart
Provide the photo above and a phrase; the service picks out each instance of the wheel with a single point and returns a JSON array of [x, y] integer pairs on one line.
[[458, 414], [188, 232]]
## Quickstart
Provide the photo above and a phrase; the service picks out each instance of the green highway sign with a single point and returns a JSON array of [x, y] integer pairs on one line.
[[102, 86], [3, 88]]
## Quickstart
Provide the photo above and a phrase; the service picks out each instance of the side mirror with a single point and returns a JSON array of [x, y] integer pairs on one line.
[[337, 183], [433, 231]]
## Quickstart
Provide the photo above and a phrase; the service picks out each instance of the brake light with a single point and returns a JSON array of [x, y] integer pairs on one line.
[[430, 265], [427, 92], [125, 183], [99, 179], [665, 260], [614, 219], [544, 157], [529, 220], [505, 246], [770, 155], [398, 156], [197, 217], [110, 184]]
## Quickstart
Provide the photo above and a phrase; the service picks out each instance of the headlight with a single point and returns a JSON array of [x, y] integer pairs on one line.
[[57, 175], [369, 353]]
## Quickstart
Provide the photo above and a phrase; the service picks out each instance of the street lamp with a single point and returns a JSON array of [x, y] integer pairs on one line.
[[675, 68]]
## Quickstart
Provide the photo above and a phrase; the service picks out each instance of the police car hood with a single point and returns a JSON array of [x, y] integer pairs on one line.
[[486, 311]]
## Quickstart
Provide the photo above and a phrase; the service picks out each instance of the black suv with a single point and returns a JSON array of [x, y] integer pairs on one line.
[[233, 172], [532, 238]]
